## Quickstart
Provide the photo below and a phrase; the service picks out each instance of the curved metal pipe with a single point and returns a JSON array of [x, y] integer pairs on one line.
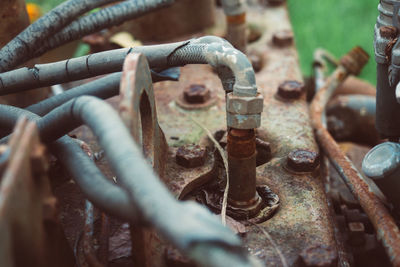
[[240, 77], [352, 118]]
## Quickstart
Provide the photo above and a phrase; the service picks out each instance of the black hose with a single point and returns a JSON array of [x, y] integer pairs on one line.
[[234, 69], [105, 18], [95, 186], [199, 228], [103, 88], [23, 46]]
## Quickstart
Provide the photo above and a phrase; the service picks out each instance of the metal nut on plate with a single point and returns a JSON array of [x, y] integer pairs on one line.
[[244, 104], [191, 156], [243, 121]]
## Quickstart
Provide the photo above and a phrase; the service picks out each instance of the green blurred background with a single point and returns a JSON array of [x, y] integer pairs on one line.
[[335, 25]]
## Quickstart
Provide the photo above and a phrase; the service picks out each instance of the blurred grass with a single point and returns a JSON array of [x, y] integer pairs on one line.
[[335, 25]]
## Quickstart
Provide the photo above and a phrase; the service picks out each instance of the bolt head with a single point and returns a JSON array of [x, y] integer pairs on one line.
[[191, 156], [283, 38], [319, 256], [196, 94], [244, 105], [388, 32], [301, 160], [291, 90]]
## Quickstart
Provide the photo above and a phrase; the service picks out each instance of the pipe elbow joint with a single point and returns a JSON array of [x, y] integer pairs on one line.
[[244, 104]]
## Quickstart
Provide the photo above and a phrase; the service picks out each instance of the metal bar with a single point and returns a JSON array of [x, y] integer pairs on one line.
[[384, 224]]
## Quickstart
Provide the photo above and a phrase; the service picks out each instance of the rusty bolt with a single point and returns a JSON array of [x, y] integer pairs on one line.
[[196, 94], [244, 104], [356, 233], [301, 160], [318, 256], [291, 90], [388, 32], [283, 38], [355, 60], [191, 156]]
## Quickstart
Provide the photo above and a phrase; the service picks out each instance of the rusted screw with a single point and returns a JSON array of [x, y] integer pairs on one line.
[[283, 38], [318, 256], [196, 94], [291, 90], [301, 160], [355, 60], [191, 156], [388, 32]]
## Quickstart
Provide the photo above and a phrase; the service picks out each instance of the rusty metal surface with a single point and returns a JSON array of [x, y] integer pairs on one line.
[[28, 210], [303, 218], [384, 224]]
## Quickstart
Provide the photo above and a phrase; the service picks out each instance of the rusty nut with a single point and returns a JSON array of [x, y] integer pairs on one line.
[[196, 94], [291, 90], [244, 104], [283, 38], [191, 156], [302, 160]]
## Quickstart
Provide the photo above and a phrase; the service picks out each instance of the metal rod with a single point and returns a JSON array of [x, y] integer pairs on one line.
[[384, 224]]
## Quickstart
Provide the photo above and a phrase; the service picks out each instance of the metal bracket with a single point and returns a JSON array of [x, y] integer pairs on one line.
[[138, 110]]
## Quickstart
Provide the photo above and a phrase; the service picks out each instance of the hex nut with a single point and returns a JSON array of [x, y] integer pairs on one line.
[[301, 160], [196, 94], [283, 38], [244, 105], [239, 121], [191, 156], [291, 90]]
